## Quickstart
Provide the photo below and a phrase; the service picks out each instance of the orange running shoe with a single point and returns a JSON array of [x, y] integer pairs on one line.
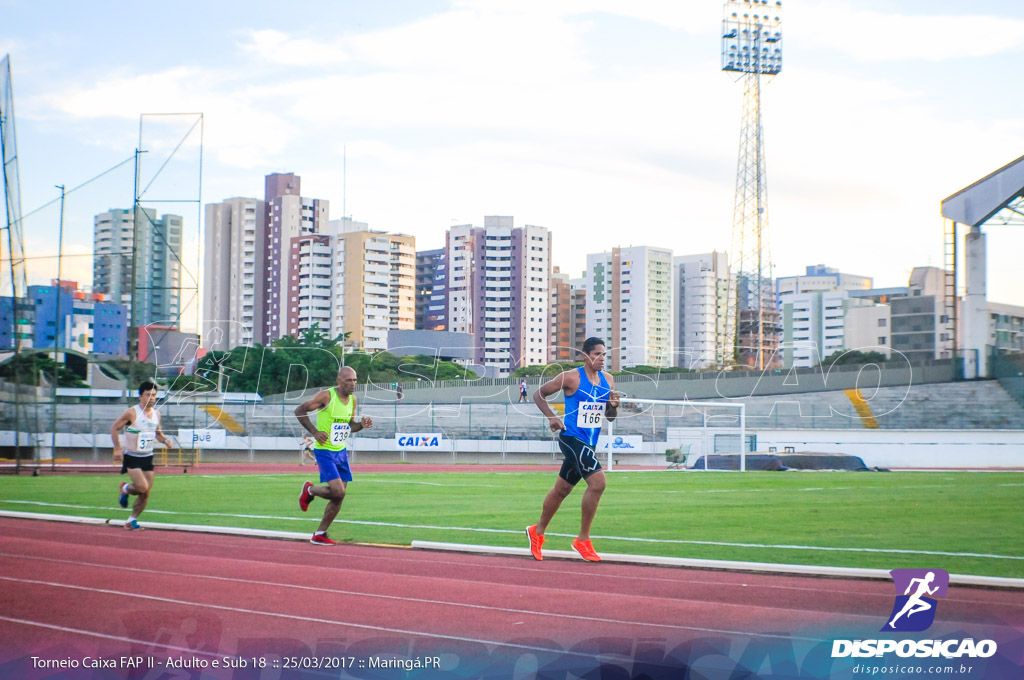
[[536, 541], [586, 550]]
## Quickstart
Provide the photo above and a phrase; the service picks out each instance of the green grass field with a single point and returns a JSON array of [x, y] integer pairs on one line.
[[879, 520]]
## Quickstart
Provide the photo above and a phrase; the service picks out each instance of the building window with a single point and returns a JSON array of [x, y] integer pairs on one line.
[[882, 323]]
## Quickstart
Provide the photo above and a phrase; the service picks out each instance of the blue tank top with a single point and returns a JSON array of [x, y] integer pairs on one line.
[[586, 393]]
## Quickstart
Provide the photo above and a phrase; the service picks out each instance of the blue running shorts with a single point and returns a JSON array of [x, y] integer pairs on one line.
[[333, 465]]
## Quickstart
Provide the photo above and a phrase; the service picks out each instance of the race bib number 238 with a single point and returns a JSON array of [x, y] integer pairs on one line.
[[589, 414]]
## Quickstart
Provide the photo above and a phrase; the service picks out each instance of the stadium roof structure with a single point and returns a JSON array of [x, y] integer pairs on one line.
[[996, 199]]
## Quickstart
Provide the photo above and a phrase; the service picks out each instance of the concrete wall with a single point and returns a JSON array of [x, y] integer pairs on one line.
[[944, 449]]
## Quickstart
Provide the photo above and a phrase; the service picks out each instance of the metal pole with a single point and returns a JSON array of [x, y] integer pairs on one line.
[[743, 437], [132, 313], [56, 335], [611, 435]]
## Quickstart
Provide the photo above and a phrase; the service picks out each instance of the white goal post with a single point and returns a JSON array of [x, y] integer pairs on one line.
[[703, 423]]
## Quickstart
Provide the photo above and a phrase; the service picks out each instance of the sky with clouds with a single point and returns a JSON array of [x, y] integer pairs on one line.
[[610, 123]]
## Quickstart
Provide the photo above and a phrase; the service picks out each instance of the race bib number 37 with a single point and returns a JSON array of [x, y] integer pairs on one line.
[[146, 440], [340, 433], [590, 414]]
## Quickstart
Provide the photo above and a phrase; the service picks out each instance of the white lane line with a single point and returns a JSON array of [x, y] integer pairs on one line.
[[330, 622], [632, 539], [568, 571], [417, 600], [105, 636]]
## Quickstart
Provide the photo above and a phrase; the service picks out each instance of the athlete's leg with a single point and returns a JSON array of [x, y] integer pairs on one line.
[[334, 492], [142, 484], [591, 497], [552, 502]]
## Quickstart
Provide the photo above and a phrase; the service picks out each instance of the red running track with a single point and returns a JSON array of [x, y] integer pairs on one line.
[[75, 591]]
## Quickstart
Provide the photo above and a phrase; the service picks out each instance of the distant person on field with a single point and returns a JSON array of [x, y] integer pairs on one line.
[[398, 391], [590, 398], [306, 450], [142, 428], [522, 391], [335, 420]]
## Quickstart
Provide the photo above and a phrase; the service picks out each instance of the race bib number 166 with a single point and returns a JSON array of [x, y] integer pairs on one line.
[[589, 414]]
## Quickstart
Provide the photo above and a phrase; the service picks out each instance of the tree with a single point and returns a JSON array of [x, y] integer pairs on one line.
[[310, 360], [853, 356], [28, 368]]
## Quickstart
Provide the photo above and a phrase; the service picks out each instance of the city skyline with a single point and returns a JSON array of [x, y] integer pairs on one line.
[[610, 126]]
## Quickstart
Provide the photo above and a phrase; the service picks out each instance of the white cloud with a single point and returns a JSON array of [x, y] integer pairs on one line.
[[280, 48], [873, 36]]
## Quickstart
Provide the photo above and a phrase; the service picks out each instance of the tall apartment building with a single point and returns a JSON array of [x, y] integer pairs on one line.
[[818, 324], [373, 283], [498, 289], [309, 285], [568, 317], [233, 275], [431, 290], [629, 305], [1006, 327], [157, 249], [286, 215], [700, 284], [921, 328]]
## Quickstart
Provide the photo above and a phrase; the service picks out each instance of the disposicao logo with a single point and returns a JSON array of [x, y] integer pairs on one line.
[[916, 590], [914, 611]]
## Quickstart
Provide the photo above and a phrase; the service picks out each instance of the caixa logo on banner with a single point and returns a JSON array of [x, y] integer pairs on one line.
[[428, 441], [912, 612]]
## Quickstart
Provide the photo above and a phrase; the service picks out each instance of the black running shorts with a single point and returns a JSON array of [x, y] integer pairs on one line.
[[580, 459], [144, 463]]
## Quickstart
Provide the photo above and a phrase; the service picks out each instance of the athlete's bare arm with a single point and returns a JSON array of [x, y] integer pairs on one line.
[[313, 405], [568, 382], [126, 419], [613, 399], [162, 438]]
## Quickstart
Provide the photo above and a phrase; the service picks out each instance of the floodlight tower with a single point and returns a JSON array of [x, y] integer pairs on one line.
[[751, 47]]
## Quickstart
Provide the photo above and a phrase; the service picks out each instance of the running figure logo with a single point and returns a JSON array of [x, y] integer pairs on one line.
[[914, 610]]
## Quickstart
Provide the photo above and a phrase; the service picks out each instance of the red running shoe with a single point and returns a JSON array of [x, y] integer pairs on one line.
[[536, 541], [305, 498], [586, 550], [321, 539]]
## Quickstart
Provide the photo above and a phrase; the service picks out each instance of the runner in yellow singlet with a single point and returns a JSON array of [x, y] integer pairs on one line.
[[335, 420]]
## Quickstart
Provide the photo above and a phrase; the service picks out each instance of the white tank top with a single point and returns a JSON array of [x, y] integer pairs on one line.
[[141, 435]]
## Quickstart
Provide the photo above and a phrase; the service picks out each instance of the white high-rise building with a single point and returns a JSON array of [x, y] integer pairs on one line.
[[499, 282], [309, 286], [156, 296], [232, 273], [629, 305], [373, 283], [700, 284], [287, 215], [816, 325]]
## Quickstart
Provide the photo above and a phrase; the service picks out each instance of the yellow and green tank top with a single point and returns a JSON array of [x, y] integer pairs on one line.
[[334, 419]]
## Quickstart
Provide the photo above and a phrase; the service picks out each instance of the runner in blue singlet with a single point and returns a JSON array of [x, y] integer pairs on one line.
[[590, 398]]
